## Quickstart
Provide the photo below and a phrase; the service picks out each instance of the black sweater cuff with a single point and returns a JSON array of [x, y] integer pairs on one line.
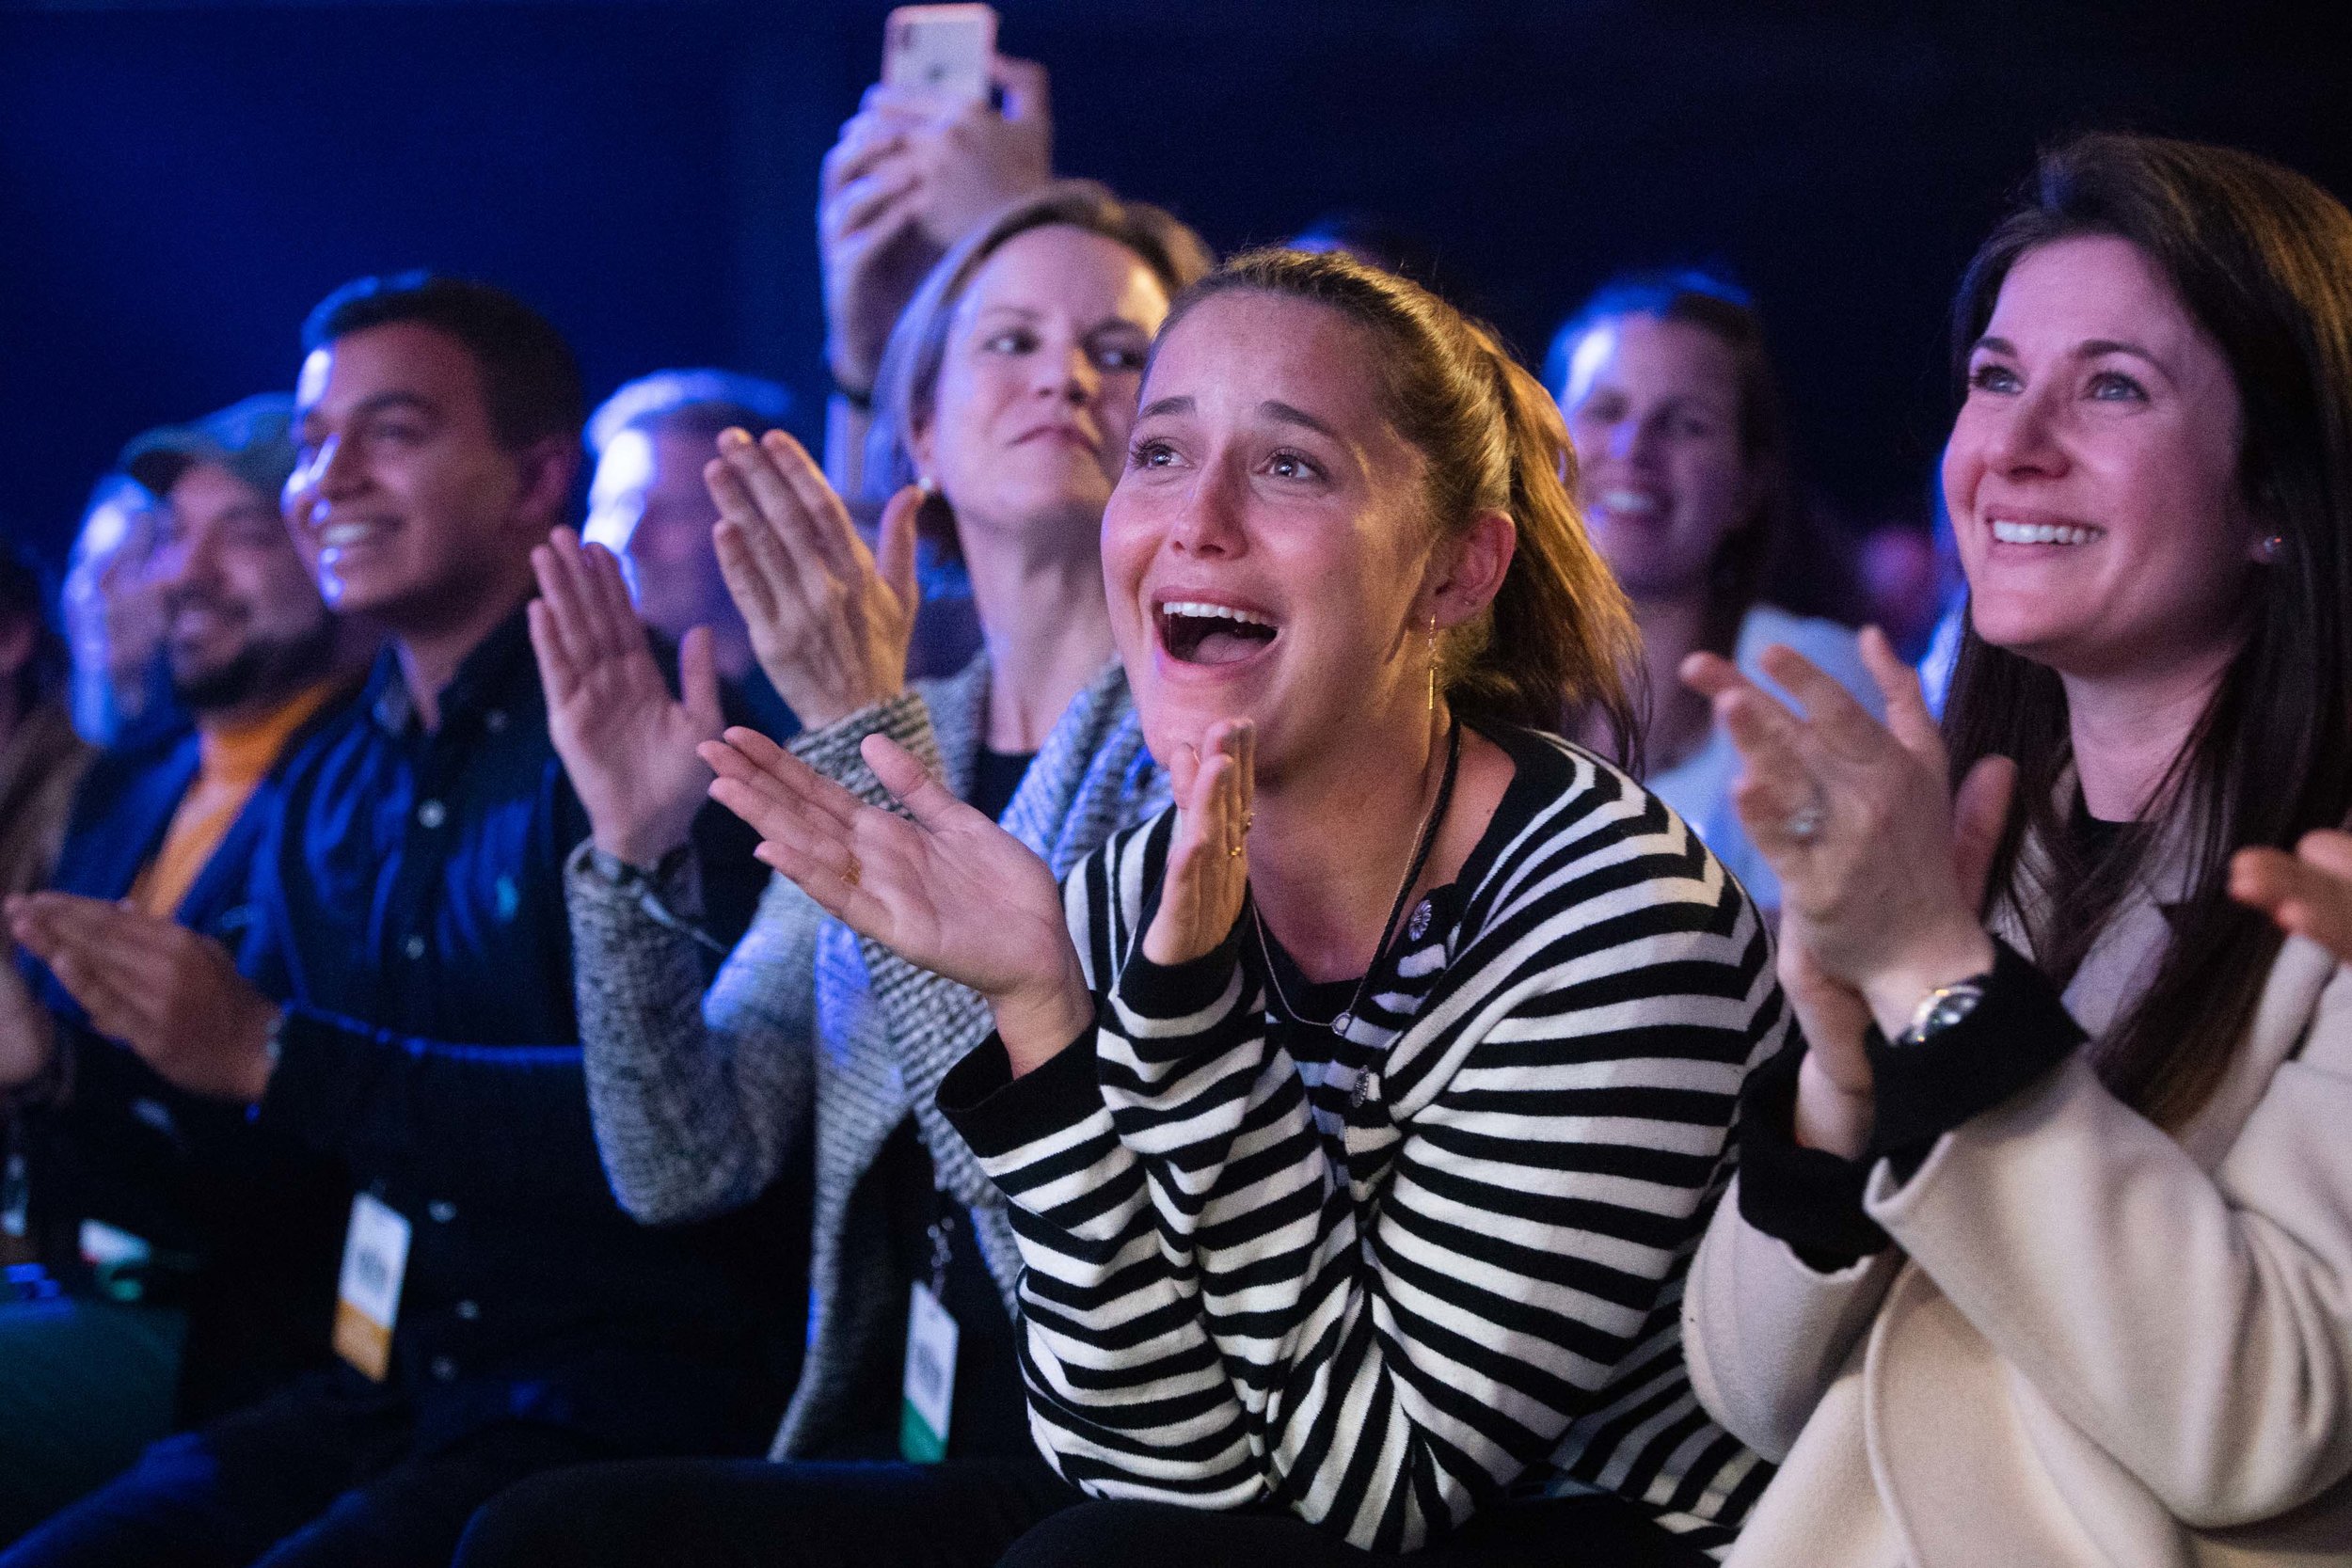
[[996, 1112], [1807, 1198], [2017, 1033], [1155, 990]]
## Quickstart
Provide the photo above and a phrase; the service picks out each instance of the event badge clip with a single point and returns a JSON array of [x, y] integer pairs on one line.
[[367, 1302], [930, 1373]]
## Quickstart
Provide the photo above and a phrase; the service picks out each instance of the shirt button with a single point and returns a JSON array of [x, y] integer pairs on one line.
[[414, 947], [444, 1370], [495, 720], [468, 1310], [442, 1210], [432, 813]]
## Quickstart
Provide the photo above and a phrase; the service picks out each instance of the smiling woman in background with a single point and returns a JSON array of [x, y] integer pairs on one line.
[[1682, 454]]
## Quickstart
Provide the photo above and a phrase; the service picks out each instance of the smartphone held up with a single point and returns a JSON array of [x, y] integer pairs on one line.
[[944, 51]]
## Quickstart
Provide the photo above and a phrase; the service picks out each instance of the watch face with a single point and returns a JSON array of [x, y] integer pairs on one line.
[[1942, 1009]]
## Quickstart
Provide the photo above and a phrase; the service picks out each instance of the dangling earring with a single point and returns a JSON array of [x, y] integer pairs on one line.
[[1433, 662], [2271, 549], [925, 483]]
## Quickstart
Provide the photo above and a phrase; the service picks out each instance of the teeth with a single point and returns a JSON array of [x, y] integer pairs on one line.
[[344, 533], [1628, 500], [2043, 534], [1195, 610]]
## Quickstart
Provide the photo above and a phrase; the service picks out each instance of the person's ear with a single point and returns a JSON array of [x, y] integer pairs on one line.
[[921, 448], [545, 473], [1471, 573]]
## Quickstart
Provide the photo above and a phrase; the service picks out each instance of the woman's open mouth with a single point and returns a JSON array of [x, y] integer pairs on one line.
[[1196, 632]]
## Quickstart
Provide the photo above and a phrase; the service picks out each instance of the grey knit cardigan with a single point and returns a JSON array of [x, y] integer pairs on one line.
[[700, 1098]]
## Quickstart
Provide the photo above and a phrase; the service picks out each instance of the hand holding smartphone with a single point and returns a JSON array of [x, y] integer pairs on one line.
[[944, 51]]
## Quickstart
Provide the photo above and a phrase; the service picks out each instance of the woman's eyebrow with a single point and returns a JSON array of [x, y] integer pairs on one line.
[[1288, 415], [2093, 348]]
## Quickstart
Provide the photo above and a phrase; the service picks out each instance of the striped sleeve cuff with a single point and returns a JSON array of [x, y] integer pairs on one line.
[[1166, 992], [998, 1115]]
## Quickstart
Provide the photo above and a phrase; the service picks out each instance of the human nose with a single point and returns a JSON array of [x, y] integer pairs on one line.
[[334, 471], [1208, 523], [1071, 375], [1640, 441], [2021, 434], [191, 561]]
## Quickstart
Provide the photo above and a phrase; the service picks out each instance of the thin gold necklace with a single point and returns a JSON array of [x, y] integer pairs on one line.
[[1340, 1022]]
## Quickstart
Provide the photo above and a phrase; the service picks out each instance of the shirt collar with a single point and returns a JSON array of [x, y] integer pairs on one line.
[[485, 678]]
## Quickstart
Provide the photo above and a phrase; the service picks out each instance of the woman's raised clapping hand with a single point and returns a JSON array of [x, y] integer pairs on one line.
[[1882, 867], [948, 889], [942, 887], [829, 622], [1208, 864], [627, 745]]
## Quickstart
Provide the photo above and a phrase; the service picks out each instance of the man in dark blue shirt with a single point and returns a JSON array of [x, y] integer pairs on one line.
[[498, 1314]]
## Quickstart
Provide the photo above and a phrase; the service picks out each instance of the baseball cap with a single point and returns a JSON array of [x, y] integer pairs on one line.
[[253, 440]]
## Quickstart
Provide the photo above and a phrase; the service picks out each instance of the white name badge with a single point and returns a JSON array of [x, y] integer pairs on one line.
[[367, 1302], [931, 1379]]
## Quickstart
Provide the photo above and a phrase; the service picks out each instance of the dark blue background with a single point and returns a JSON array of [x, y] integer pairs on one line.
[[180, 182]]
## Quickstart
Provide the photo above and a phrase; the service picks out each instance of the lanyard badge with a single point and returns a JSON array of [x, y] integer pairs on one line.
[[930, 1386], [367, 1302]]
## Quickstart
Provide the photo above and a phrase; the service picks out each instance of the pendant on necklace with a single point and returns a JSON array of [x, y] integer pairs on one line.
[[1343, 1023]]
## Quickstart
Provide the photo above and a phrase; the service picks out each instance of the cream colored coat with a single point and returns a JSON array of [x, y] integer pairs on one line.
[[2093, 1343]]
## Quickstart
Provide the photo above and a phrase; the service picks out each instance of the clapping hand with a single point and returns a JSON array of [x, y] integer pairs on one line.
[[627, 745], [945, 887], [1881, 866], [1208, 864], [2308, 892], [174, 997], [830, 624]]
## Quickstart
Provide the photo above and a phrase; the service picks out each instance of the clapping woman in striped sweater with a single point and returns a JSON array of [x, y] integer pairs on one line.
[[1361, 1113]]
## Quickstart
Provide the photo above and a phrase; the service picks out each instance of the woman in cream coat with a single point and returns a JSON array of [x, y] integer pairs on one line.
[[2042, 1248]]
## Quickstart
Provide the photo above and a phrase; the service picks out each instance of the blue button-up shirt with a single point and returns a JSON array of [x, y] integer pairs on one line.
[[411, 908]]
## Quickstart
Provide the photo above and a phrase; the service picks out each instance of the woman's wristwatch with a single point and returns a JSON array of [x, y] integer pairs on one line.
[[1943, 1008]]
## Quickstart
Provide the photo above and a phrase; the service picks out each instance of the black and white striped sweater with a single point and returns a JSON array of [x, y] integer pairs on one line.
[[1385, 1280]]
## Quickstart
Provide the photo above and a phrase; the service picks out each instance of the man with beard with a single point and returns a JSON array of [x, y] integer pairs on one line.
[[411, 1007], [179, 1245]]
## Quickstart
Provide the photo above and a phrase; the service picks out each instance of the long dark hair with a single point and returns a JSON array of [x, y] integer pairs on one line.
[[2262, 257], [1559, 635]]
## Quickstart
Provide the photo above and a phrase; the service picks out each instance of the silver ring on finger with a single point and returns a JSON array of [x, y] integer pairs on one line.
[[1805, 824]]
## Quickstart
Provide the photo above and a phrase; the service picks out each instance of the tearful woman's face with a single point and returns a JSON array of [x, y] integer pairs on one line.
[[2092, 473], [1267, 544]]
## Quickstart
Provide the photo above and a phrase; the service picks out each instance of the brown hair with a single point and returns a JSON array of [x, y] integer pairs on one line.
[[2261, 258], [905, 387], [1559, 634], [1778, 551]]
